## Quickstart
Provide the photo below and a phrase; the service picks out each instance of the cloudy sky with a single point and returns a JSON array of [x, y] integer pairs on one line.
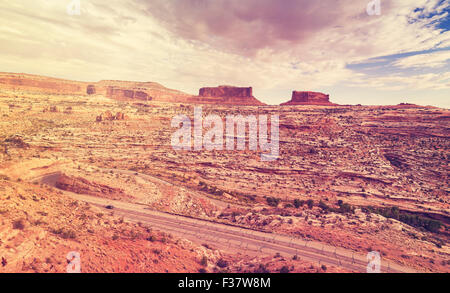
[[276, 46]]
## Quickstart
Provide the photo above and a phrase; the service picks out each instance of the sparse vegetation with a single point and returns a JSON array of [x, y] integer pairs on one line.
[[204, 261], [221, 263], [298, 203], [65, 233], [407, 218], [151, 238], [262, 269], [273, 201], [19, 224]]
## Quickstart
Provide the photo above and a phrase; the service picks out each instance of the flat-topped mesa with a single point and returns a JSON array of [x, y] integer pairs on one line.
[[40, 84], [226, 91], [225, 94], [308, 98]]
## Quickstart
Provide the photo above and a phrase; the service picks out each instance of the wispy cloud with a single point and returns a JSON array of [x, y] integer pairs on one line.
[[429, 60]]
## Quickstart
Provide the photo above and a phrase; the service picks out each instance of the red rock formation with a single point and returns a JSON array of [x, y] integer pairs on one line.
[[226, 91], [120, 116], [125, 93], [226, 95], [82, 186], [126, 90], [108, 116], [144, 91], [40, 84], [90, 89], [308, 98]]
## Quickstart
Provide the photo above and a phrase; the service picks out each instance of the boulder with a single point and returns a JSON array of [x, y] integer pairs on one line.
[[107, 116], [120, 116]]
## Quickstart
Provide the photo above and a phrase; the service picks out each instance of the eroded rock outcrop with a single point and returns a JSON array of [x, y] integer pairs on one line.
[[226, 95], [125, 93], [52, 109], [308, 98], [15, 141], [120, 116], [108, 116], [91, 89], [114, 89], [83, 186], [40, 84], [226, 91]]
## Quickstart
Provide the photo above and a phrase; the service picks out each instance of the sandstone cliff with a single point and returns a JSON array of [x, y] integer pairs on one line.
[[226, 95], [122, 90], [308, 98], [226, 91], [126, 90], [41, 84], [125, 93]]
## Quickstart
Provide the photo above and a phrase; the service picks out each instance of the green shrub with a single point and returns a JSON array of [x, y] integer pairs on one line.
[[345, 208], [221, 263], [408, 218], [324, 206], [152, 238], [262, 269], [204, 261], [273, 201], [19, 224], [298, 203], [65, 233]]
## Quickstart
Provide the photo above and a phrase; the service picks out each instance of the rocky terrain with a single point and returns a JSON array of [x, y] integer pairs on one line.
[[39, 226], [357, 177]]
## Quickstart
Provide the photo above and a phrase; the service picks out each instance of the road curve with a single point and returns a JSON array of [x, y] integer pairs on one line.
[[232, 238]]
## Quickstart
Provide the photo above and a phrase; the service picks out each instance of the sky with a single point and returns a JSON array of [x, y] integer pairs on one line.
[[331, 46]]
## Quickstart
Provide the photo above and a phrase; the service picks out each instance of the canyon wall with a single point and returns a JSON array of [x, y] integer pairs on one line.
[[124, 93], [121, 90], [226, 91], [126, 90], [41, 84]]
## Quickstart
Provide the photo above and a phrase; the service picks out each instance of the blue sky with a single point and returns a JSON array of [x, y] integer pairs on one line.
[[401, 55]]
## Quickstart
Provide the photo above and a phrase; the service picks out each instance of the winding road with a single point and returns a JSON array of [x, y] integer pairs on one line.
[[231, 238]]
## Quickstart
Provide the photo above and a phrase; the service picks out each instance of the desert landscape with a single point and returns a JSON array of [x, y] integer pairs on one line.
[[226, 137], [89, 167]]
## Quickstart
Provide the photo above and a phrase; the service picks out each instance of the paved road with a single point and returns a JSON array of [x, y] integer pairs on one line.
[[232, 238]]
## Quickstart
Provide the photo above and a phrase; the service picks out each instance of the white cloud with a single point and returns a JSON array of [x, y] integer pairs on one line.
[[430, 60]]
